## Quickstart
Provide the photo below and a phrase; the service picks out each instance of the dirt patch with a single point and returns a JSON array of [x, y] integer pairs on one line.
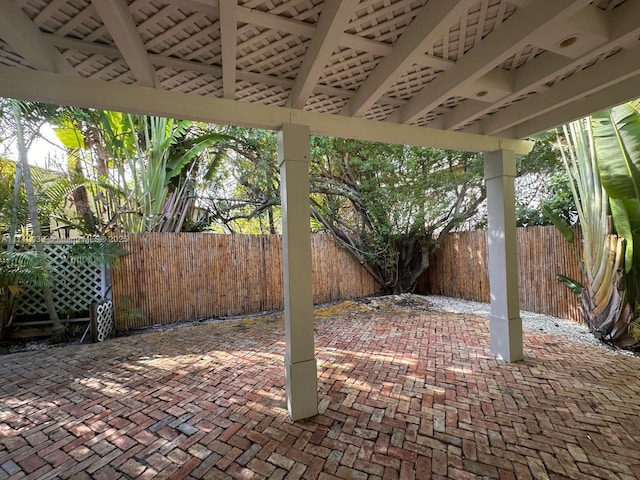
[[404, 301]]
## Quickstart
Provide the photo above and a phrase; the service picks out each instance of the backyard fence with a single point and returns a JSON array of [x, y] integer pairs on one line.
[[75, 287], [460, 269], [172, 277]]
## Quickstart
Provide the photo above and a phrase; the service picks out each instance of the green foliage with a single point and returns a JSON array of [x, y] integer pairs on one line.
[[634, 327], [96, 251], [575, 286], [126, 315], [18, 270], [141, 172], [602, 158], [542, 182], [616, 135], [563, 227]]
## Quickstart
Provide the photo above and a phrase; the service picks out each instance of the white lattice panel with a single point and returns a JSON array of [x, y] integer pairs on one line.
[[326, 103], [384, 20], [412, 82], [75, 287], [104, 320]]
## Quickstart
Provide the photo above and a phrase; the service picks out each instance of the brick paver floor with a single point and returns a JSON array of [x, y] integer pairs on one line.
[[403, 394]]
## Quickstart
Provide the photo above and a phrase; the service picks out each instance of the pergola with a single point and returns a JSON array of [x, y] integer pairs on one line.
[[474, 75]]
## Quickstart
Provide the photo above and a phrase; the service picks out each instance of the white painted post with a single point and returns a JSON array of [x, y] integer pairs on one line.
[[300, 364], [505, 324]]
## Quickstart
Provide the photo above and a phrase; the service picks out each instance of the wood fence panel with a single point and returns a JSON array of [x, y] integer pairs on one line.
[[460, 269], [185, 276], [173, 277]]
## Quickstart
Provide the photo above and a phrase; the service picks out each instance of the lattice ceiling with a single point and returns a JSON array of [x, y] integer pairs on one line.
[[496, 67]]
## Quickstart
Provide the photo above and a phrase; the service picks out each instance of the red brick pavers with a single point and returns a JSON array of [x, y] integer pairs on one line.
[[403, 395]]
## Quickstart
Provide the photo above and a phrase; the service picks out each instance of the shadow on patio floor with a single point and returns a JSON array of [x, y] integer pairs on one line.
[[404, 393]]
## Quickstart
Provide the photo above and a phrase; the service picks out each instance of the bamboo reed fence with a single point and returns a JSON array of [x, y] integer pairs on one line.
[[185, 276], [460, 269]]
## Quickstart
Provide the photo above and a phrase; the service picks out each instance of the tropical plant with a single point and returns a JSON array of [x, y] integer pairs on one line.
[[58, 331], [143, 170], [97, 252], [602, 160], [18, 270]]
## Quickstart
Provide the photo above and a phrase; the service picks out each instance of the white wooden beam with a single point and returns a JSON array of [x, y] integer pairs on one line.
[[228, 30], [434, 20], [333, 21], [505, 41], [117, 18], [197, 67], [26, 39], [623, 28], [606, 98], [602, 75], [384, 50], [53, 88]]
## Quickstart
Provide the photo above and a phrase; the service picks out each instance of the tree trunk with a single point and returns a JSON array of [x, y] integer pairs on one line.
[[58, 333], [13, 226], [80, 197], [414, 253]]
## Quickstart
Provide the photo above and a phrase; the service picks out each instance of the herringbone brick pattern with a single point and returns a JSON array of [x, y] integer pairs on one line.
[[403, 395]]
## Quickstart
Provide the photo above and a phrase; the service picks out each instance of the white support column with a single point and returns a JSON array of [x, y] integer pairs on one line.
[[505, 324], [300, 364]]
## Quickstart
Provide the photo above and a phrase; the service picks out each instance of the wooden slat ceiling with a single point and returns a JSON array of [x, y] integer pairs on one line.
[[506, 68]]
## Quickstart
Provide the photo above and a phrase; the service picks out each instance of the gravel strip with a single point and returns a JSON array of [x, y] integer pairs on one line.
[[535, 322]]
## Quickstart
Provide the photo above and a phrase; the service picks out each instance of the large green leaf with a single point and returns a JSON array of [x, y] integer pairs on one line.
[[617, 144], [563, 227], [617, 147], [626, 220], [196, 146], [575, 286]]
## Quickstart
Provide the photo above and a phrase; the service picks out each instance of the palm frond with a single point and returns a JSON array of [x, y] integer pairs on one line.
[[100, 252]]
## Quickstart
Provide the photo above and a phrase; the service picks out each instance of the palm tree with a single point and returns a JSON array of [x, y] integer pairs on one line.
[[58, 331]]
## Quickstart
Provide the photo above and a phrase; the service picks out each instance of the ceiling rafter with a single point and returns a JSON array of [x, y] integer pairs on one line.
[[604, 74], [513, 35], [546, 67], [228, 35], [117, 18], [54, 6], [332, 23], [112, 53], [431, 23], [18, 31], [306, 30], [77, 20], [602, 99]]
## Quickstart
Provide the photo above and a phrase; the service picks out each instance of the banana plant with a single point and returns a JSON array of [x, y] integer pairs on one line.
[[616, 135], [602, 158]]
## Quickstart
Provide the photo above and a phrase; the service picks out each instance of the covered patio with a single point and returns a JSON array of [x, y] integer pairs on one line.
[[403, 394], [473, 75]]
